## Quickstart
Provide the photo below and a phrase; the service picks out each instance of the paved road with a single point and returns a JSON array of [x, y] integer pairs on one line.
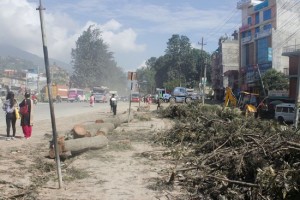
[[64, 109]]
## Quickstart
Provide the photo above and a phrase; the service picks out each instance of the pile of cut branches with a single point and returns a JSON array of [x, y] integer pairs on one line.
[[220, 154]]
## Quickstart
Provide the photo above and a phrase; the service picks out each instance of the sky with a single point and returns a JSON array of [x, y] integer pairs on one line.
[[134, 30]]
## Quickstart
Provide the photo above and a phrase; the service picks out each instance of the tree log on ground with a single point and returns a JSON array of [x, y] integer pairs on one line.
[[91, 130], [99, 129], [79, 145]]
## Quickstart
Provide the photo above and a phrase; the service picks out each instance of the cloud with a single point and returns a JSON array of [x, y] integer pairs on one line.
[[131, 29], [20, 27]]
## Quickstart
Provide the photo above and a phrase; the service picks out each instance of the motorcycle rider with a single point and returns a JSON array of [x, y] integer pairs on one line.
[[34, 98]]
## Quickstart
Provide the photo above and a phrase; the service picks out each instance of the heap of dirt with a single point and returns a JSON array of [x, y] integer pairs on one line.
[[221, 154]]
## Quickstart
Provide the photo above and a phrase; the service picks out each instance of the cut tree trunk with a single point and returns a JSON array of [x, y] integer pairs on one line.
[[91, 130], [99, 129], [79, 145]]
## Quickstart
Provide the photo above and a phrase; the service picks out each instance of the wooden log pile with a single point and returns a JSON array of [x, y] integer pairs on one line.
[[91, 136], [223, 155]]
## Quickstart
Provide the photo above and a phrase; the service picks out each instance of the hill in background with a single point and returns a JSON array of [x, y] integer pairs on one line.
[[15, 58]]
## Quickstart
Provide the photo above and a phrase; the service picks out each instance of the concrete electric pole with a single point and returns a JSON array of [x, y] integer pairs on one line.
[[202, 80]]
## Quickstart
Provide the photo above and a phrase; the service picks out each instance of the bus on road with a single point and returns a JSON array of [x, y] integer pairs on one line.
[[75, 94]]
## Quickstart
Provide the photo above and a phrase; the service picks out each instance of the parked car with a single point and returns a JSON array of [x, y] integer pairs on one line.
[[285, 112], [266, 108], [135, 97]]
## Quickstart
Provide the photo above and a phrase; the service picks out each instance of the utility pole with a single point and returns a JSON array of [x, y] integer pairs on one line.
[[45, 50], [202, 82], [297, 97], [38, 80]]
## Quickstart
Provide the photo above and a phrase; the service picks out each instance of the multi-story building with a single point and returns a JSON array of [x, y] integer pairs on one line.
[[293, 52], [225, 66], [267, 26]]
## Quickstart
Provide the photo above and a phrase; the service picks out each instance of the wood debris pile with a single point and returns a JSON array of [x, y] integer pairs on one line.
[[221, 154]]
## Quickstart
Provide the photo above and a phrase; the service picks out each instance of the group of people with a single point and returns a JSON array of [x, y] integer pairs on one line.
[[11, 108], [112, 103]]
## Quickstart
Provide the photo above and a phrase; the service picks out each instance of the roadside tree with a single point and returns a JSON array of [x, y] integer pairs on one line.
[[94, 64]]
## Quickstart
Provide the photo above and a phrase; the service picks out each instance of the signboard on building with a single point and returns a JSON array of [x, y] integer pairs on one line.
[[131, 76], [269, 54], [262, 5], [278, 93]]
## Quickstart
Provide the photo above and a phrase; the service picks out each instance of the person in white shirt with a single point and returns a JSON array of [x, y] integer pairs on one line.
[[9, 107]]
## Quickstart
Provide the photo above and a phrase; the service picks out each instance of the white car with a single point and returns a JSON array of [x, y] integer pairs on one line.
[[285, 112]]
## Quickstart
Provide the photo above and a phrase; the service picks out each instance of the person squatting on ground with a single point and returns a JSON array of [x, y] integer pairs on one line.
[[27, 119], [113, 104], [10, 106]]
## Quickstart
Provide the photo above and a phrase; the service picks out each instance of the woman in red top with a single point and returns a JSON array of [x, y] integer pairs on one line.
[[27, 119]]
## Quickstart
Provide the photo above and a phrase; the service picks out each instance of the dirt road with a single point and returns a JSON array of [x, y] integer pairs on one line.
[[123, 170]]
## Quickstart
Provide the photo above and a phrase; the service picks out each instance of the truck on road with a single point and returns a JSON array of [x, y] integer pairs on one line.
[[59, 93], [180, 95], [101, 94]]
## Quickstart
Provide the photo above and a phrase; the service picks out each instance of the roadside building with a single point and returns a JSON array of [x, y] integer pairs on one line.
[[293, 53], [267, 26], [225, 66]]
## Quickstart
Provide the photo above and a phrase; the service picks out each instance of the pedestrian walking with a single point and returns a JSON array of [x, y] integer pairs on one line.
[[113, 104], [26, 107], [92, 100], [10, 106]]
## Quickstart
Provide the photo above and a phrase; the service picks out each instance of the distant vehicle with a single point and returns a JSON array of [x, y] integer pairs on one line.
[[76, 94], [247, 102], [285, 112], [100, 98], [162, 95], [180, 95], [123, 98], [59, 93], [100, 94], [194, 95], [166, 97], [266, 108], [135, 97]]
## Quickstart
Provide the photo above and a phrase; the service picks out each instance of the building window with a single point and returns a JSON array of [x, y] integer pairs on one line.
[[262, 50], [250, 21], [257, 18], [248, 33], [268, 27], [257, 30], [286, 71], [267, 14]]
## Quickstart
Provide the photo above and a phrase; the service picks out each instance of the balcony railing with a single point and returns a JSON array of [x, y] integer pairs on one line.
[[292, 49], [242, 3], [263, 33]]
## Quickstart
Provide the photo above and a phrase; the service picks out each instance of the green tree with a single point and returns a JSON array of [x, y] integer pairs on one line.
[[180, 65], [146, 76], [93, 64], [274, 80]]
